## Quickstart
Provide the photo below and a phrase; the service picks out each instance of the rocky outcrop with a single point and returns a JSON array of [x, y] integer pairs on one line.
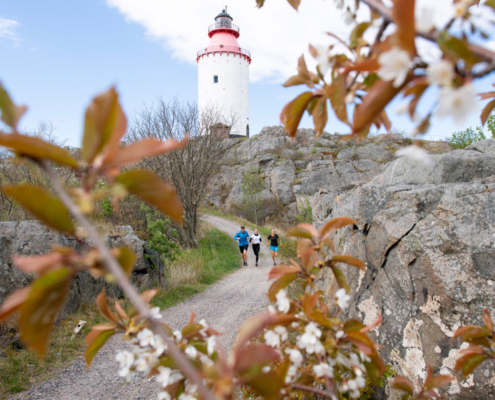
[[308, 168], [427, 234], [33, 238]]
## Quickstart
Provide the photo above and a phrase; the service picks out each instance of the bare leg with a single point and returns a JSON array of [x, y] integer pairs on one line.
[[273, 255], [244, 255]]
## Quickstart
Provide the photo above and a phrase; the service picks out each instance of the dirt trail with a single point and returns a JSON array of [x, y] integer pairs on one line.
[[225, 305]]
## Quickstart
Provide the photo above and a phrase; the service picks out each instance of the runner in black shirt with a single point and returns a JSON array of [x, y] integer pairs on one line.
[[275, 241]]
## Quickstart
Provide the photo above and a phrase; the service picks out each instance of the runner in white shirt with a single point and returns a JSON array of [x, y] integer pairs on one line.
[[255, 240]]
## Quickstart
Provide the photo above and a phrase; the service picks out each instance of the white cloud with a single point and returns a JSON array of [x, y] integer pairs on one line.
[[276, 34], [8, 31]]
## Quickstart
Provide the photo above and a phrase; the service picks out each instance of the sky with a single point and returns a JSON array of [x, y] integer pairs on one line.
[[57, 55]]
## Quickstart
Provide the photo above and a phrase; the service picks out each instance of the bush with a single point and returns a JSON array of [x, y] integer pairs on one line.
[[305, 212], [462, 139]]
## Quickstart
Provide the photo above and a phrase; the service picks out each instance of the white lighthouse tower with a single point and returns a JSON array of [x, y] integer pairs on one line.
[[223, 74]]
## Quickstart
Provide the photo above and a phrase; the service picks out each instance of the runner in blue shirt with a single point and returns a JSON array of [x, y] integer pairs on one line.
[[243, 238]]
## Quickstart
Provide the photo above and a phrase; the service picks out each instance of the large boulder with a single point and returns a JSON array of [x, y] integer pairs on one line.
[[485, 146], [282, 178], [29, 238], [427, 236]]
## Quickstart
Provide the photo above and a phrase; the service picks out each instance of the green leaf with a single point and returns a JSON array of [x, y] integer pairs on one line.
[[456, 49], [39, 310], [404, 384], [357, 33], [470, 362], [126, 258], [47, 208], [10, 112], [337, 94], [259, 3], [280, 284], [297, 231], [341, 280], [267, 385], [96, 339], [490, 3], [154, 191], [104, 124], [320, 115], [293, 112], [37, 148]]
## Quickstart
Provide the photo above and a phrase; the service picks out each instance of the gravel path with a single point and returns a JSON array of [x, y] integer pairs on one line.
[[225, 305]]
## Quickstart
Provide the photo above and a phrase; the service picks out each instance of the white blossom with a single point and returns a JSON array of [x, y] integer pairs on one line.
[[339, 334], [323, 59], [205, 359], [440, 73], [146, 338], [291, 373], [415, 153], [348, 17], [339, 3], [394, 66], [160, 346], [342, 298], [210, 344], [282, 332], [271, 309], [349, 98], [205, 327], [458, 102], [155, 313], [272, 339], [309, 340], [283, 303], [166, 376], [265, 369], [178, 335], [164, 396], [185, 396], [323, 369], [295, 324], [425, 21], [125, 358], [295, 356], [191, 351], [145, 362]]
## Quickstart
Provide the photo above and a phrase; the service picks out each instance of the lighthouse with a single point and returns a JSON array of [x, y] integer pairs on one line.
[[223, 74]]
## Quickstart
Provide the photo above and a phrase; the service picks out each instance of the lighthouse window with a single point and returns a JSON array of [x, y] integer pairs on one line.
[[215, 78]]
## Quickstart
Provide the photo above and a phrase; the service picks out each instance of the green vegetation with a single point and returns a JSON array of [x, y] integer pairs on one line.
[[305, 212], [195, 269], [20, 369], [191, 273], [462, 139]]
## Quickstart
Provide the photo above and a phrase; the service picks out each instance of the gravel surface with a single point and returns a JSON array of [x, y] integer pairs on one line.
[[224, 305]]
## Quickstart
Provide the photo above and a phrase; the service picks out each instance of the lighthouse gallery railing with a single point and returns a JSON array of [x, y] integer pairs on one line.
[[224, 25], [221, 48]]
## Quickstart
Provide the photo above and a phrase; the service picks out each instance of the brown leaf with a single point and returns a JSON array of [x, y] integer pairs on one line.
[[308, 258], [267, 386], [303, 76], [126, 258], [281, 270], [144, 148], [280, 284], [335, 224], [337, 93], [350, 261], [297, 231], [320, 115], [104, 125], [378, 97], [39, 264], [487, 111], [341, 279], [487, 95], [292, 113], [366, 65], [373, 325], [101, 303], [469, 362], [304, 244], [10, 112], [488, 320], [96, 339], [402, 383], [47, 208], [435, 382], [294, 3], [403, 16], [39, 310], [357, 33], [122, 314], [255, 356], [259, 3], [37, 148], [148, 295], [154, 191], [13, 302]]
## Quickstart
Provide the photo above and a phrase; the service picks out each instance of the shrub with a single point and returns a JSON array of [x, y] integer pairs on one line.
[[462, 139]]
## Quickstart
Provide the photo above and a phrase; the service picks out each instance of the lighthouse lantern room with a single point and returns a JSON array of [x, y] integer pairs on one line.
[[223, 74]]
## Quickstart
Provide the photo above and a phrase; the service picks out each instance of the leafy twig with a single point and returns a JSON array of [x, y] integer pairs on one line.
[[317, 391], [114, 268]]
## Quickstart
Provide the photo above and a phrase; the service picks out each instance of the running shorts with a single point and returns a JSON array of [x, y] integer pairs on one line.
[[243, 248], [274, 248]]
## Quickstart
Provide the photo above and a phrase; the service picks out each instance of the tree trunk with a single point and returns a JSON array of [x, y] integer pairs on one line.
[[188, 231]]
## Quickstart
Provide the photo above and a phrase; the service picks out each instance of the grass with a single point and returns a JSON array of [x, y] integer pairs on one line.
[[195, 269], [21, 369]]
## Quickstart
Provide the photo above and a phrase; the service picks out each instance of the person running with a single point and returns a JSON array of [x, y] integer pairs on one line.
[[274, 240], [242, 237], [255, 241]]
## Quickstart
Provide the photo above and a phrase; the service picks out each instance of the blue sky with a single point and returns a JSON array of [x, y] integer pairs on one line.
[[62, 53]]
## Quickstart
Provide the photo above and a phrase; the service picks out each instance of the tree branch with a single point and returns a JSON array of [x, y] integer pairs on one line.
[[314, 390], [481, 52], [114, 268]]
